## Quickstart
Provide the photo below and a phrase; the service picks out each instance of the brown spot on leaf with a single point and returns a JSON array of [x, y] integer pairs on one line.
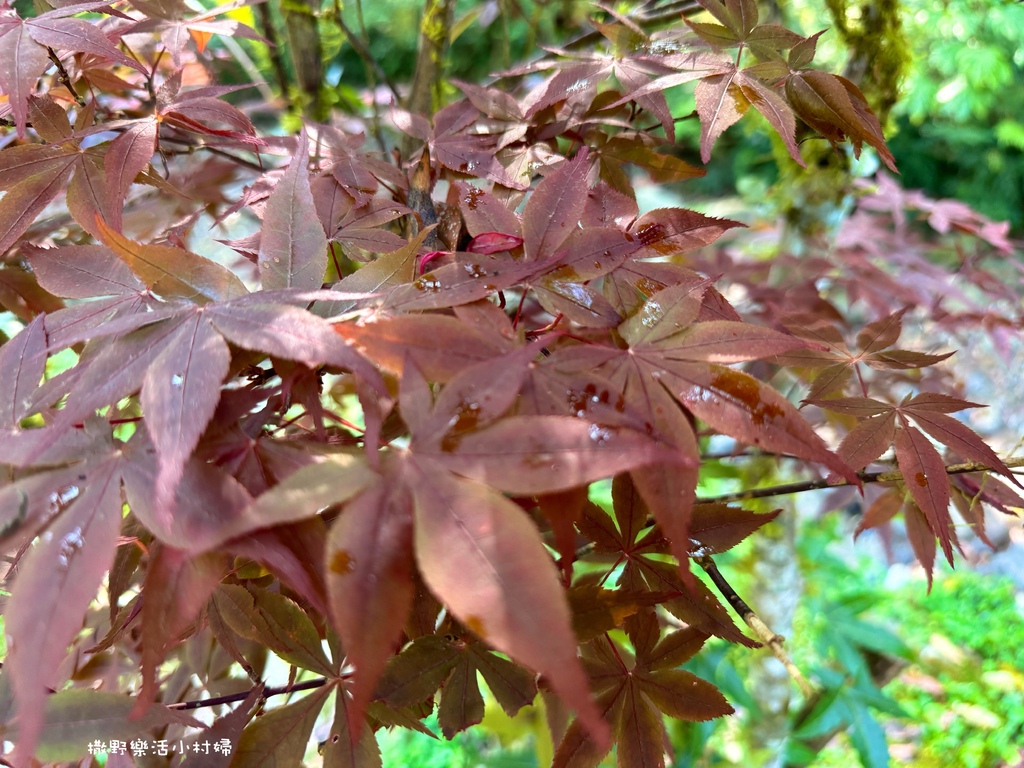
[[921, 480], [475, 625], [651, 233], [341, 562], [579, 401], [465, 419], [648, 287], [747, 391], [567, 273]]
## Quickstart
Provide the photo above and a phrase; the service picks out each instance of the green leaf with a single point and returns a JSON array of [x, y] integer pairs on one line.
[[872, 636], [304, 493], [416, 673], [828, 713], [174, 272], [274, 621], [462, 704], [279, 736], [343, 748], [867, 736]]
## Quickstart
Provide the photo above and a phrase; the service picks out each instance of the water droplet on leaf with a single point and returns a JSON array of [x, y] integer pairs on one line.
[[601, 435], [427, 283], [69, 545], [59, 500]]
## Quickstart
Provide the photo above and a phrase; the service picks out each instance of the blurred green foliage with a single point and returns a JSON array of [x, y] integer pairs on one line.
[[965, 694], [961, 121], [957, 129], [489, 35]]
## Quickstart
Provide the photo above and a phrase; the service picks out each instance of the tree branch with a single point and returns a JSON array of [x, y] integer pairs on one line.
[[64, 77], [435, 29], [303, 32], [230, 698], [671, 11], [359, 46], [773, 641], [887, 476], [274, 48], [192, 146]]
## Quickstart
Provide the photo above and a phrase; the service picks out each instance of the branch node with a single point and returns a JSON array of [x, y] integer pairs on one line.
[[772, 640], [64, 77]]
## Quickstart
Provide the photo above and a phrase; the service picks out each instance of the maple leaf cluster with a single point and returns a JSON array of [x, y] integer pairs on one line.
[[364, 443]]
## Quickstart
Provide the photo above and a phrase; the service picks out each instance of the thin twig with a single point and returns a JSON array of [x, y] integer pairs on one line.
[[147, 71], [247, 64], [230, 698], [887, 476], [752, 453], [682, 118], [364, 53], [669, 12], [277, 62], [192, 147], [813, 485], [764, 633], [64, 77], [372, 81]]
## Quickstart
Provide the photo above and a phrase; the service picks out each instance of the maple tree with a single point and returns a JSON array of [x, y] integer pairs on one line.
[[364, 441]]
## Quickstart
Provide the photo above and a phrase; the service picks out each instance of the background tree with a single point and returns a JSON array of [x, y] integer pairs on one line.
[[449, 405]]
